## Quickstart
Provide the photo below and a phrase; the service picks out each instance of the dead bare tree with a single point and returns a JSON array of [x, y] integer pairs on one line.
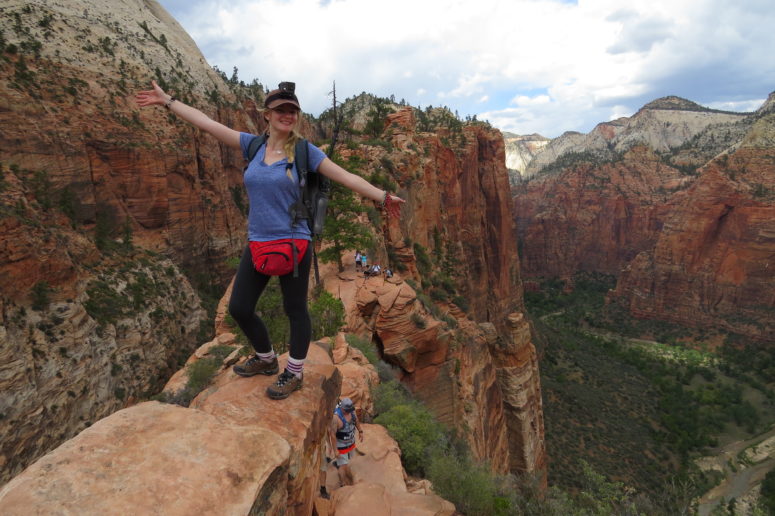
[[338, 117]]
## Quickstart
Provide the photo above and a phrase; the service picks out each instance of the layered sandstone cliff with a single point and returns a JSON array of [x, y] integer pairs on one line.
[[685, 213], [89, 319], [712, 262], [455, 227], [520, 151], [594, 217], [661, 125]]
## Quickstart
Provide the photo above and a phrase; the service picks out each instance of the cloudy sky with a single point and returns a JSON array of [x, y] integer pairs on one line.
[[527, 66]]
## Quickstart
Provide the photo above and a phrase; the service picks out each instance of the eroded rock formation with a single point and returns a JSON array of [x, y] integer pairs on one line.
[[90, 321], [234, 451]]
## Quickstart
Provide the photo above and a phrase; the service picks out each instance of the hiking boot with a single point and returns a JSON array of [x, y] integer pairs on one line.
[[286, 383], [255, 365]]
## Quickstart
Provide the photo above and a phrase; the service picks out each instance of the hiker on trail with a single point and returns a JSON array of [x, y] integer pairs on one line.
[[357, 260], [271, 180], [388, 273], [343, 428], [363, 261]]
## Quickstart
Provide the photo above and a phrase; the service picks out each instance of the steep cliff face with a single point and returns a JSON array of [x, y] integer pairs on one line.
[[455, 228], [87, 180], [594, 217], [459, 191], [683, 217], [712, 263]]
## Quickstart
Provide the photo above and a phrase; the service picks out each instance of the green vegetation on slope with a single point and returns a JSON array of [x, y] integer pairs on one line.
[[637, 409]]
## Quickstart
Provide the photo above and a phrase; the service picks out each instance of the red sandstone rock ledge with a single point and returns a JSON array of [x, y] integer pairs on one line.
[[234, 451]]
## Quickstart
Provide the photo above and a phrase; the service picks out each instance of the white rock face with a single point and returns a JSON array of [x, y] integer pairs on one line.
[[520, 150]]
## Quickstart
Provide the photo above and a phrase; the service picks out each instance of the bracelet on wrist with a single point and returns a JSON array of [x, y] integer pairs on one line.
[[169, 102]]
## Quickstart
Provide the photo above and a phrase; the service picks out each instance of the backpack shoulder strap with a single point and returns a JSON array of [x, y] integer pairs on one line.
[[254, 145], [302, 160], [338, 412]]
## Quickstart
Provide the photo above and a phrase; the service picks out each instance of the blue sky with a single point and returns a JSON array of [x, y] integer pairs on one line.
[[527, 66]]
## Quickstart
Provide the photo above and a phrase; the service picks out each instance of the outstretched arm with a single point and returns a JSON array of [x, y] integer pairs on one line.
[[158, 97], [359, 185]]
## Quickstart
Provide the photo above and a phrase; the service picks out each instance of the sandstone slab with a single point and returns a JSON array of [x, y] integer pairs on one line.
[[301, 420], [155, 458]]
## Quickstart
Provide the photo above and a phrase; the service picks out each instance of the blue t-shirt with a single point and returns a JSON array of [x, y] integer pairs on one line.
[[271, 194]]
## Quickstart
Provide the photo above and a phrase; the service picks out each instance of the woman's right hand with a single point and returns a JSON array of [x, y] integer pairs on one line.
[[156, 96]]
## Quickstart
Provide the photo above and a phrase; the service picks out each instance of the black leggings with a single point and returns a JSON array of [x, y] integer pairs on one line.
[[248, 286]]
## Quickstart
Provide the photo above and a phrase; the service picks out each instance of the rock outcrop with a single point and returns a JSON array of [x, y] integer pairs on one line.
[[468, 375], [88, 320], [234, 451]]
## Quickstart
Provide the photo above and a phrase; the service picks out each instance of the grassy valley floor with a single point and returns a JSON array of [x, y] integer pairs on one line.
[[642, 401]]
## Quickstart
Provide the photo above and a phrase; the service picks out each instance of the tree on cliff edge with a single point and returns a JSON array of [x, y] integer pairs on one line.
[[342, 228]]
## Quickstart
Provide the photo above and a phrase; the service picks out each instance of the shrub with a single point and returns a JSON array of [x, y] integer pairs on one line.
[[438, 294], [40, 295], [417, 432], [461, 302], [364, 347], [469, 486], [418, 320], [767, 496], [327, 314]]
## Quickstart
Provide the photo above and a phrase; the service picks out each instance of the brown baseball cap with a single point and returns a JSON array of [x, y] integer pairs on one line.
[[284, 94]]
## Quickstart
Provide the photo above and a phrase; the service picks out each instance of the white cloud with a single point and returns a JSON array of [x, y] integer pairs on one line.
[[572, 65]]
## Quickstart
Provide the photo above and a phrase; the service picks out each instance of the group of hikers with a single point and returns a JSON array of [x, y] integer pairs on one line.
[[373, 270]]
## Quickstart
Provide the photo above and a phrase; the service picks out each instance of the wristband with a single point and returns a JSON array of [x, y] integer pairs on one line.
[[169, 102]]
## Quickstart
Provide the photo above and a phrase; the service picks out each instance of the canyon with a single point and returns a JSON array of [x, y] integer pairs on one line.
[[675, 202]]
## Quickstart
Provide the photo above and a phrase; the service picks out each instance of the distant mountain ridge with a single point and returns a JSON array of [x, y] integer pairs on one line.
[[662, 124]]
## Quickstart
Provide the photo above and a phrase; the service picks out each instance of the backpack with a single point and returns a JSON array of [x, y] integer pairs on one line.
[[343, 434], [314, 187]]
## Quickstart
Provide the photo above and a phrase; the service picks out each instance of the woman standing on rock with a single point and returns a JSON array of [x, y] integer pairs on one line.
[[271, 180]]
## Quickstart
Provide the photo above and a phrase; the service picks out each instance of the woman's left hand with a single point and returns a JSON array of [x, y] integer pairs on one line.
[[393, 205], [156, 96]]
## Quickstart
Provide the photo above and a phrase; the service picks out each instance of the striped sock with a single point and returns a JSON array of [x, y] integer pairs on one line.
[[266, 357], [295, 366]]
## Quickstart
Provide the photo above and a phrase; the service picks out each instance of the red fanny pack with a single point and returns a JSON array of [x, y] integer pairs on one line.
[[276, 257]]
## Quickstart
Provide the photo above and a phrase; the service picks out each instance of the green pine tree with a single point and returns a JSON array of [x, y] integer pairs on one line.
[[342, 227]]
